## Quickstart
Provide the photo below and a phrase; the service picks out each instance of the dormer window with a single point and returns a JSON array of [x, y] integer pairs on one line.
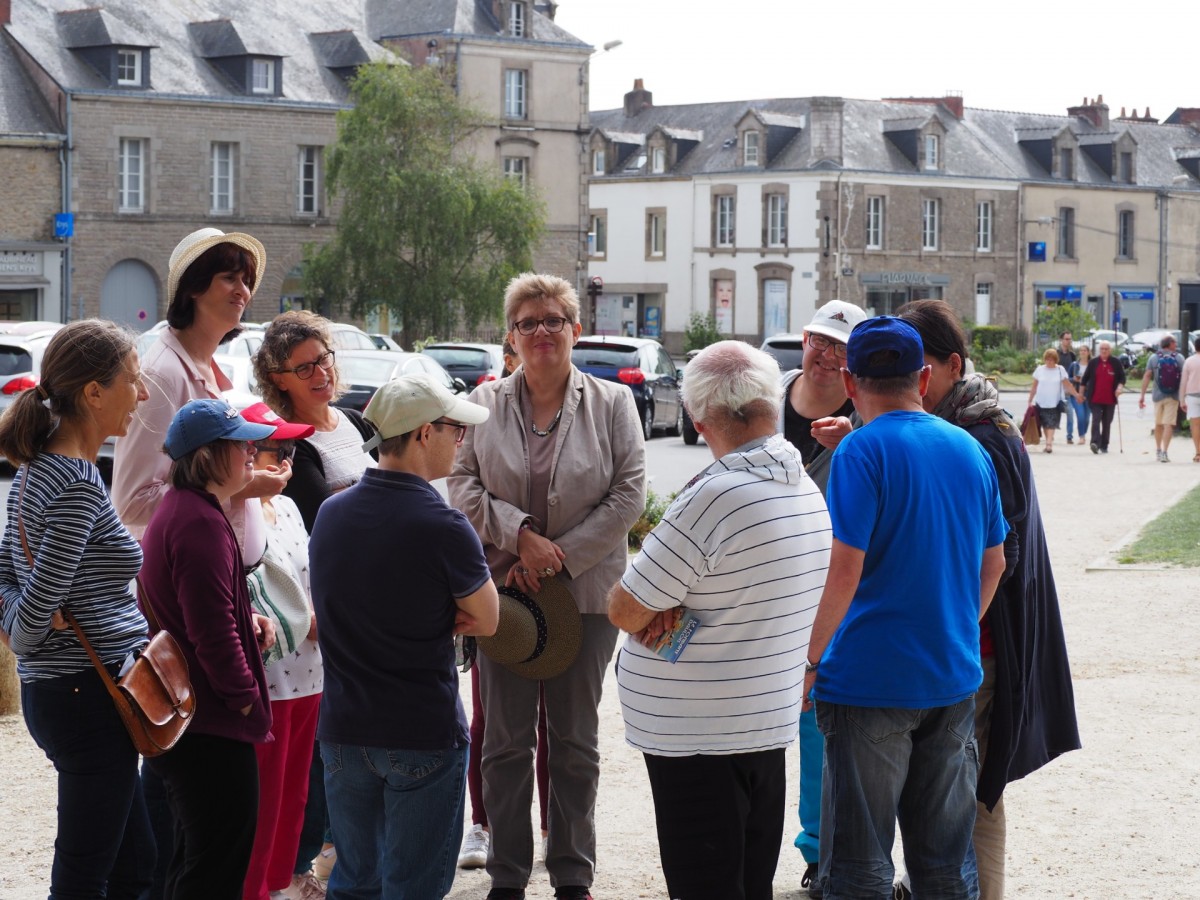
[[517, 24], [262, 76], [129, 67], [1066, 163], [598, 167], [931, 152], [658, 160], [750, 148]]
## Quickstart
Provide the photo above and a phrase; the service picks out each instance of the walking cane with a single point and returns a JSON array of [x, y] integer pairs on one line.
[[1120, 437]]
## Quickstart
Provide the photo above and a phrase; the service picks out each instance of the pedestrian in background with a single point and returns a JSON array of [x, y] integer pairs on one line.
[[1102, 382], [1049, 392], [1083, 415], [1164, 368], [1066, 358], [1189, 395]]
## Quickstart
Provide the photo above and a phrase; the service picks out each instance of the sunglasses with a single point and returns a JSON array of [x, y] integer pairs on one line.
[[281, 455]]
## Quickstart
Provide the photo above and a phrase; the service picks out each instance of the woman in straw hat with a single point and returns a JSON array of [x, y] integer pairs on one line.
[[552, 482]]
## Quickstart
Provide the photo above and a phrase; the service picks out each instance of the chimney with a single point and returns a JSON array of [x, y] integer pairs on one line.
[[952, 102], [635, 101], [1186, 115], [5, 12], [1095, 111], [825, 128]]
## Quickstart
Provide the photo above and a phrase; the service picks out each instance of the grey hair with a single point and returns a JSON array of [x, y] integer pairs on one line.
[[731, 380]]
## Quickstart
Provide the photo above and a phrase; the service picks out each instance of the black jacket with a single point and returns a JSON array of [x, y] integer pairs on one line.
[[307, 486]]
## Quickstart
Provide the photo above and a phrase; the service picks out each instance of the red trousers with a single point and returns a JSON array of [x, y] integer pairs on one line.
[[283, 790]]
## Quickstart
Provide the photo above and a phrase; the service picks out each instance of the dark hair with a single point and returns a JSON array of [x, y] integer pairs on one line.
[[206, 464], [286, 332], [395, 446], [196, 279], [938, 324], [1196, 344], [891, 386], [1166, 342], [1064, 334], [78, 354]]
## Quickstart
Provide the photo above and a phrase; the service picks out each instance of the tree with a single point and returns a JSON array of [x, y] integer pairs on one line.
[[1055, 318], [424, 229]]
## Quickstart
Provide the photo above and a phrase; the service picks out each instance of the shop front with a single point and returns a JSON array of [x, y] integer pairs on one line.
[[886, 292], [30, 282]]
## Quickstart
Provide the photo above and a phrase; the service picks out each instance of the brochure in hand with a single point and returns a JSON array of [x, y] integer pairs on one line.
[[671, 644]]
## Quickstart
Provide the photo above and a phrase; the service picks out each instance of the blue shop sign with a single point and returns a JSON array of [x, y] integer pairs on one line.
[[1136, 295], [64, 225]]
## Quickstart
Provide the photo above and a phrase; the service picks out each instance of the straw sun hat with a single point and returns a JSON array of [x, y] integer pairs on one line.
[[538, 637], [191, 247]]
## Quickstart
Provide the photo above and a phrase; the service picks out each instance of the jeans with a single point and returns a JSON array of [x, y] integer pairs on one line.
[[104, 841], [1083, 416], [1071, 420], [812, 766], [884, 764], [398, 817]]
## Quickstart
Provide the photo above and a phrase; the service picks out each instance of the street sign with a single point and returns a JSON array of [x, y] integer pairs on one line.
[[64, 225]]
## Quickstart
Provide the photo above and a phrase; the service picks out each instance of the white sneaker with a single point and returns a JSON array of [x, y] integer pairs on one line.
[[477, 842]]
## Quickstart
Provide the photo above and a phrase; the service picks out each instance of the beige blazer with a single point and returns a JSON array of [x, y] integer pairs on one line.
[[597, 479]]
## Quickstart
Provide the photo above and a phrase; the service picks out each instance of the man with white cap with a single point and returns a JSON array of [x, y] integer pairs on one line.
[[814, 417], [395, 574]]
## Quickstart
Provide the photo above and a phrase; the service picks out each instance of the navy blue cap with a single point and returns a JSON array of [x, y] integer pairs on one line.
[[884, 333], [201, 422]]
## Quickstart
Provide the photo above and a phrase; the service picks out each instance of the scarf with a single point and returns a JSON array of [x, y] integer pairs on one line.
[[972, 400]]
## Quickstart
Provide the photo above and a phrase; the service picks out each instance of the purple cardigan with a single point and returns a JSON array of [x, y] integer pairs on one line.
[[193, 578]]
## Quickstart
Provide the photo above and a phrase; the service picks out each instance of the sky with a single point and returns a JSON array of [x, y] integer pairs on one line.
[[1021, 56]]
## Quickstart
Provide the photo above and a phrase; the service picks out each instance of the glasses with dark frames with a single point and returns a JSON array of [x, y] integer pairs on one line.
[[552, 324], [460, 430], [305, 371], [281, 455], [821, 343]]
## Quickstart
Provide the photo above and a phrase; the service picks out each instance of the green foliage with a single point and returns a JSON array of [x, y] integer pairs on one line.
[[418, 346], [424, 231], [700, 332], [1055, 318], [1004, 358], [656, 506], [987, 337]]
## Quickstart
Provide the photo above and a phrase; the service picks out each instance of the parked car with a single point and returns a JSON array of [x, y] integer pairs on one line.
[[1152, 339], [644, 366], [690, 435], [473, 363], [21, 347], [383, 342], [788, 350], [365, 371], [1118, 339], [348, 337]]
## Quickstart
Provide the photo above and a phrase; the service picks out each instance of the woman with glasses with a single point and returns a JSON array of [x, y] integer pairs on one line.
[[552, 482], [195, 582]]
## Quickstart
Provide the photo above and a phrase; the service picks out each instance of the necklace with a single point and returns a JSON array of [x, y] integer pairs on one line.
[[549, 428]]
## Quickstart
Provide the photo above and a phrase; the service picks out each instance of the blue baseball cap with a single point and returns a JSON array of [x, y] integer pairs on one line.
[[905, 352], [201, 422]]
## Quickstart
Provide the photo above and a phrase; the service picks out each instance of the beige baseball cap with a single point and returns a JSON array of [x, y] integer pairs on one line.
[[410, 401]]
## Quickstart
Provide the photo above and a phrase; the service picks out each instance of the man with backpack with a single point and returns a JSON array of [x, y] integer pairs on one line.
[[1165, 367]]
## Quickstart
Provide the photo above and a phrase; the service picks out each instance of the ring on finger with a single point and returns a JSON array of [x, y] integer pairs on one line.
[[546, 572], [522, 570]]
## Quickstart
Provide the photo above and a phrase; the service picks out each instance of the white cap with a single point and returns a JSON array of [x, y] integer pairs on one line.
[[410, 401], [836, 319]]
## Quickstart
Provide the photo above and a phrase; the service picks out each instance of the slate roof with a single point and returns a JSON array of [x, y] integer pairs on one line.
[[983, 144], [460, 18], [48, 29], [22, 110]]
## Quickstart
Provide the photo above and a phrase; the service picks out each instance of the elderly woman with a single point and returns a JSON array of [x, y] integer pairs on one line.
[[1025, 709], [194, 581], [552, 482], [1049, 391], [1103, 381], [83, 558]]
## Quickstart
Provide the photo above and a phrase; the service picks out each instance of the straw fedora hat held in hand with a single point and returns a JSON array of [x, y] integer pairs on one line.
[[537, 637]]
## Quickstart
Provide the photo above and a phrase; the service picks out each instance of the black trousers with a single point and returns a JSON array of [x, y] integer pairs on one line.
[[212, 789], [1102, 416], [720, 823]]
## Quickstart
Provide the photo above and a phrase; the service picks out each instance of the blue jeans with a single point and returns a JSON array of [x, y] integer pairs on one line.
[[1071, 420], [104, 841], [884, 764], [398, 819], [812, 767], [1082, 414]]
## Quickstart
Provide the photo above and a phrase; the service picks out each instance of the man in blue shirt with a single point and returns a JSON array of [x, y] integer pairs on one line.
[[893, 663]]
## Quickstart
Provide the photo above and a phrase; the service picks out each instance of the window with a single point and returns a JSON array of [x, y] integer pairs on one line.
[[1066, 163], [1125, 234], [516, 20], [1066, 233], [931, 151], [983, 226], [514, 93], [598, 162], [308, 185], [262, 76], [598, 237], [776, 220], [656, 233], [220, 178], [930, 213], [724, 224], [129, 67], [874, 223], [983, 303], [517, 168], [1125, 167], [750, 148], [658, 160], [130, 175]]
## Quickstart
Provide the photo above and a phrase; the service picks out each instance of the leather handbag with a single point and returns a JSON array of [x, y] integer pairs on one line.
[[154, 696]]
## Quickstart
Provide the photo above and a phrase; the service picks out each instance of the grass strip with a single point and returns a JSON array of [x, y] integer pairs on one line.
[[1173, 538]]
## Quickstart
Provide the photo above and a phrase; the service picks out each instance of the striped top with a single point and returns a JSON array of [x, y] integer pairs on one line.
[[84, 559], [746, 548]]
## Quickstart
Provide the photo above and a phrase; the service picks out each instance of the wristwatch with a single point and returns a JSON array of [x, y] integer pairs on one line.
[[810, 666]]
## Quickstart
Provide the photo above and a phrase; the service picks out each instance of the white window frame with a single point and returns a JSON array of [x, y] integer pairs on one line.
[[598, 245], [657, 228], [265, 68], [658, 160], [777, 220], [221, 194], [517, 168], [598, 162], [308, 181], [930, 216], [750, 141], [726, 230], [516, 93], [131, 175], [931, 155], [516, 19], [133, 55], [983, 226], [1126, 224], [875, 212]]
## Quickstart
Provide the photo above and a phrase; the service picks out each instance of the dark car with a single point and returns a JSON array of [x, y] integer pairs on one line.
[[643, 365], [365, 371], [788, 350], [473, 363]]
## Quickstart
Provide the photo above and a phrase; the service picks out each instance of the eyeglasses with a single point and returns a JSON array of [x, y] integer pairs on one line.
[[460, 430], [552, 324], [281, 454], [305, 371], [821, 344]]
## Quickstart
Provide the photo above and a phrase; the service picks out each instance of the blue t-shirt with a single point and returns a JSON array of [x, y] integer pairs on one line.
[[919, 496], [387, 560]]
